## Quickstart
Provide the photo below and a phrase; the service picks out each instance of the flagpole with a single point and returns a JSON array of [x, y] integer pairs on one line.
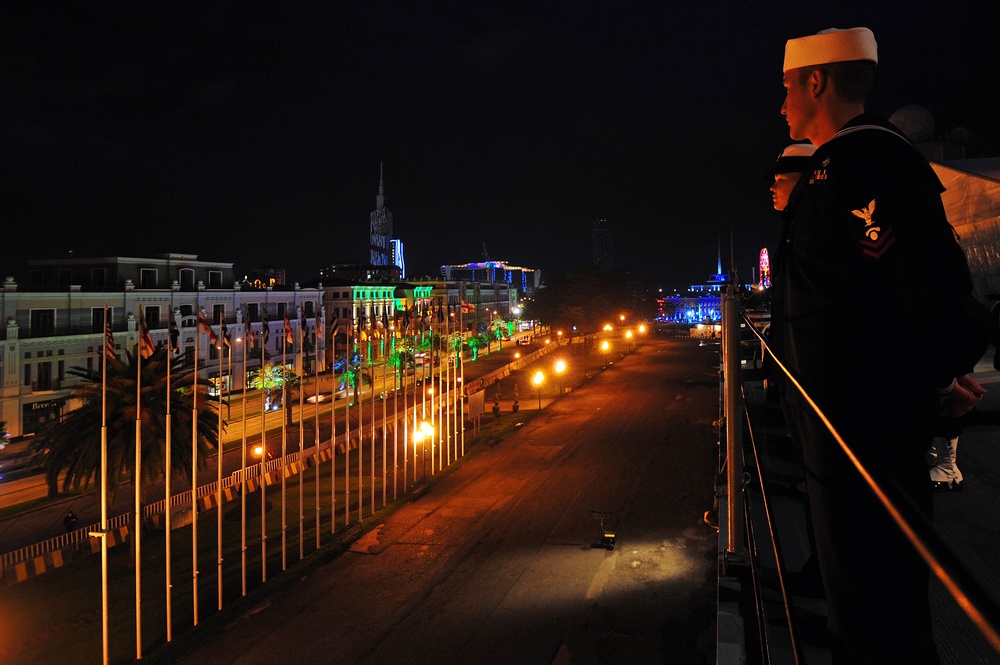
[[264, 334], [385, 368], [284, 438], [406, 437], [243, 459], [319, 323], [395, 416], [371, 463], [167, 474], [218, 464], [461, 358], [302, 469], [194, 479], [137, 482], [361, 434], [333, 426], [104, 484], [347, 428]]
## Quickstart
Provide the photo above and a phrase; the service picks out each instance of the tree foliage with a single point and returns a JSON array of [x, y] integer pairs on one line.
[[74, 444]]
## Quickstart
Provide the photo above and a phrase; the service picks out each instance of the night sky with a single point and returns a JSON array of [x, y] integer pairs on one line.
[[253, 133]]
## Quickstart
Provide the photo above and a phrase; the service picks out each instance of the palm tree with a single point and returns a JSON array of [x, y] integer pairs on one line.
[[402, 358], [274, 378], [356, 374], [74, 444]]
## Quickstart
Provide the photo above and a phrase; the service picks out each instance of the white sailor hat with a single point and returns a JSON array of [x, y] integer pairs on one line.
[[794, 158], [832, 45]]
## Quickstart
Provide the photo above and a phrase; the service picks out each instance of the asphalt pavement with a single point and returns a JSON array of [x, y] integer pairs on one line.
[[500, 561]]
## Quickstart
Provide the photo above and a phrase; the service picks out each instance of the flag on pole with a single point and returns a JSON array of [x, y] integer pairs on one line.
[[385, 319], [468, 308], [224, 331], [109, 338], [205, 328], [174, 338], [288, 331], [319, 327], [146, 347], [265, 330], [440, 313], [334, 324], [251, 340], [406, 317]]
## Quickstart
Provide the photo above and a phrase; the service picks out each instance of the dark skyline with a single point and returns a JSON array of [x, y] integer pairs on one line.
[[252, 133]]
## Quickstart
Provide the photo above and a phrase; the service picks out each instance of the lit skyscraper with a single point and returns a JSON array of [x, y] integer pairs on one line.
[[397, 256], [381, 228]]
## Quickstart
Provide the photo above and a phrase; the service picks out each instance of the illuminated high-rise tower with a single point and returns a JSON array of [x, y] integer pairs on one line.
[[381, 228]]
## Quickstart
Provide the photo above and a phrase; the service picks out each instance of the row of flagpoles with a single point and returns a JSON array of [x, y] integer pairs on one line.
[[441, 403]]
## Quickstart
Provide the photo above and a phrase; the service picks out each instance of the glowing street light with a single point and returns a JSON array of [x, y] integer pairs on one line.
[[607, 327], [424, 431], [628, 336], [538, 380], [604, 350], [559, 369]]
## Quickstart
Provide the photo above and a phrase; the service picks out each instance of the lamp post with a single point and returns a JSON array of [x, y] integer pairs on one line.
[[559, 369], [604, 351], [628, 336], [538, 380], [424, 431]]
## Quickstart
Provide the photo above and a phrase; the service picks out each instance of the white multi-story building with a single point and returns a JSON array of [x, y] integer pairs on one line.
[[56, 324]]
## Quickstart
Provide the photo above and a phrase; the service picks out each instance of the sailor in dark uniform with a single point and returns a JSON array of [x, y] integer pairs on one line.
[[877, 329]]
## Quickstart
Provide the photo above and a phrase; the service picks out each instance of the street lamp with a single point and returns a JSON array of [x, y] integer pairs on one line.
[[538, 380], [628, 336], [559, 369], [604, 350], [424, 431]]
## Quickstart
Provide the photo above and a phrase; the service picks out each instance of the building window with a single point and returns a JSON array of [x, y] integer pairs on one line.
[[147, 278], [187, 279], [43, 322], [97, 319], [44, 376], [215, 279], [282, 309], [310, 306], [253, 312], [218, 313], [27, 374], [152, 315], [186, 310], [98, 278]]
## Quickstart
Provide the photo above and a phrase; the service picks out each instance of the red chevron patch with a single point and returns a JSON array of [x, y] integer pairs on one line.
[[877, 247]]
